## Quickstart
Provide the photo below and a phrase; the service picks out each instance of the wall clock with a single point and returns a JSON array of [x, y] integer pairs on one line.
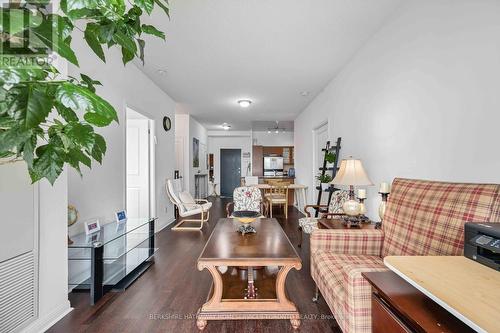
[[167, 124]]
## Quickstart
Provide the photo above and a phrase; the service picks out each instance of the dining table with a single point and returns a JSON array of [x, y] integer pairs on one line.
[[300, 194]]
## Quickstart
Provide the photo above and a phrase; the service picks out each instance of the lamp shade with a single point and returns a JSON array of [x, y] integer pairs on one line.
[[351, 172]]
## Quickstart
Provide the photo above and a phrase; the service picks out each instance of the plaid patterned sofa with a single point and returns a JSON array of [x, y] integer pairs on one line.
[[422, 218]]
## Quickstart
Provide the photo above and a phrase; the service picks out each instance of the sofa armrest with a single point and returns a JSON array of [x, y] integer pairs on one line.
[[306, 208], [348, 241]]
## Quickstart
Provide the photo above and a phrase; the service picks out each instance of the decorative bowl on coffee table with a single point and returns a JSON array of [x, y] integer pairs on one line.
[[246, 217]]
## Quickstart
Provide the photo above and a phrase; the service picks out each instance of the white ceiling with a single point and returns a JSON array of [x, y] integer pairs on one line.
[[220, 51]]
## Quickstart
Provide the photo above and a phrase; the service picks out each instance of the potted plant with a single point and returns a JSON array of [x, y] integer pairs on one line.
[[325, 180], [330, 157], [47, 119]]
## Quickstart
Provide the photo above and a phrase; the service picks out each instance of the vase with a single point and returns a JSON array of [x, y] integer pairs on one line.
[[381, 210]]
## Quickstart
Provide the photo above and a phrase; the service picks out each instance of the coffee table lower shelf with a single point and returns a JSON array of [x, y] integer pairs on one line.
[[226, 301]]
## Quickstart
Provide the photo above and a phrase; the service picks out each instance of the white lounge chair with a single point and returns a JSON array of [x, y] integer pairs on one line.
[[187, 206]]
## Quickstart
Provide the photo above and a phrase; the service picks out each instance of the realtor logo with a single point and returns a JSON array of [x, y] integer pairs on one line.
[[28, 33]]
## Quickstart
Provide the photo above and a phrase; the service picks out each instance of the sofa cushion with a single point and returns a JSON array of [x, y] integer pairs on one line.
[[346, 292], [427, 217]]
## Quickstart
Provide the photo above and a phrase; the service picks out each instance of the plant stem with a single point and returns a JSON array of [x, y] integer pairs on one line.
[[12, 160]]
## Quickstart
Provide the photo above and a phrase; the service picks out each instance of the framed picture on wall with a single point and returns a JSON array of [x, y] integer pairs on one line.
[[196, 153]]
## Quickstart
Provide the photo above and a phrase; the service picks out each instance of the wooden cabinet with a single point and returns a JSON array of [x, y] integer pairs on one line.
[[258, 161], [399, 307], [384, 320]]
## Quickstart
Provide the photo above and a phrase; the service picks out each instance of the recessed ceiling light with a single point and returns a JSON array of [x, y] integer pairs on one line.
[[244, 103], [277, 131], [304, 93], [226, 126], [269, 132], [162, 72]]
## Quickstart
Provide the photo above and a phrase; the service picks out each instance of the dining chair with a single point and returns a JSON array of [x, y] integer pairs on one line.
[[277, 195]]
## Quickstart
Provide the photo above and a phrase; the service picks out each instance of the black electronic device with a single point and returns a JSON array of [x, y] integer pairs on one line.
[[482, 243]]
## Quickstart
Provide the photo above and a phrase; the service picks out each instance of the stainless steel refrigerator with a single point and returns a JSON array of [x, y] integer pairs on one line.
[[273, 166]]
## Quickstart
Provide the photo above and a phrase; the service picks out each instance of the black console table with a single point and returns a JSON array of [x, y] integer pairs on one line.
[[112, 258]]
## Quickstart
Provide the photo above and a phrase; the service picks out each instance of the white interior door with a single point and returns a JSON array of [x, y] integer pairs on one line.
[[320, 139], [138, 168]]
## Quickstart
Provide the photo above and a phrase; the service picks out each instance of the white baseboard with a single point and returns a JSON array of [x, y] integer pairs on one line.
[[42, 324], [166, 225]]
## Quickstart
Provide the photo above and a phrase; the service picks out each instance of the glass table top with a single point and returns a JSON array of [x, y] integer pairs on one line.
[[108, 233]]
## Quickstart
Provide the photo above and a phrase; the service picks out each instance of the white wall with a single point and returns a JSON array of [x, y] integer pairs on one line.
[[53, 253], [218, 140], [262, 138], [101, 191], [196, 130], [182, 136], [420, 99], [188, 128]]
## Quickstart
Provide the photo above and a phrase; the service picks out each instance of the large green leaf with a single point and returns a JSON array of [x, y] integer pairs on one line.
[[38, 106], [75, 156], [125, 41], [99, 148], [127, 55], [98, 111], [151, 30], [48, 164], [48, 33], [13, 75], [146, 5], [163, 6], [69, 5], [91, 34], [106, 32], [28, 149], [6, 122], [81, 134], [11, 138], [66, 113]]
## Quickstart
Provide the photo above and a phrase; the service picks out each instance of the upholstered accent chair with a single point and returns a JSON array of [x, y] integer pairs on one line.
[[187, 206], [308, 224], [246, 198], [422, 218]]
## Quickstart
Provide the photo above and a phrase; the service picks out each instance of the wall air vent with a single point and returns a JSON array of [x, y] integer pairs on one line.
[[17, 292]]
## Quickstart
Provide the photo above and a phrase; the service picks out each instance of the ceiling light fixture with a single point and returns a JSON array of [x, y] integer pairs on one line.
[[304, 93], [276, 129], [162, 72], [244, 103], [226, 126]]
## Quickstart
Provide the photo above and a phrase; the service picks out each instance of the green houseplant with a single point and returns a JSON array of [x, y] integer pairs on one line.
[[330, 157], [48, 120], [325, 180]]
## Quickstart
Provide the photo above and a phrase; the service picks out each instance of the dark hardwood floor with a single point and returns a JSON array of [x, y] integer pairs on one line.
[[168, 295]]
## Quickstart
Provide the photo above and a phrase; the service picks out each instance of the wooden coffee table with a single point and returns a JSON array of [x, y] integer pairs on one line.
[[228, 254]]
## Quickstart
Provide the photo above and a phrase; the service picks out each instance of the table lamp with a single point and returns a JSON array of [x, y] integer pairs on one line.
[[351, 173]]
